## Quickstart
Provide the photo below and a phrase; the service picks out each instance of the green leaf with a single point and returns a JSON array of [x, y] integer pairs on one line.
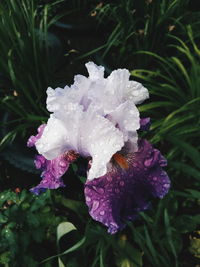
[[73, 248], [194, 193], [64, 228], [186, 169], [189, 150]]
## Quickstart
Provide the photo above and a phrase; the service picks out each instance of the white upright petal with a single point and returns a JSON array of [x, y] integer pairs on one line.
[[136, 92], [95, 72], [127, 118], [95, 116], [56, 98], [117, 82]]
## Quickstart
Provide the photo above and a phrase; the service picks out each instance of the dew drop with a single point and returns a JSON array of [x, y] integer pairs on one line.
[[102, 212], [101, 190], [95, 205], [166, 185], [62, 163], [121, 183], [148, 162], [88, 199], [109, 178]]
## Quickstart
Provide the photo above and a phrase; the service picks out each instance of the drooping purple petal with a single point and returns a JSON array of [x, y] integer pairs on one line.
[[33, 139], [52, 172], [122, 193], [145, 124]]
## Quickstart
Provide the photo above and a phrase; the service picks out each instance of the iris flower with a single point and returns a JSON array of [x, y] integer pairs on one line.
[[97, 118]]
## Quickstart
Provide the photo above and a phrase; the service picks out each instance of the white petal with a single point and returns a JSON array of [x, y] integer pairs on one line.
[[136, 91], [57, 98], [86, 132], [126, 116], [95, 72], [60, 98], [117, 82], [61, 132], [102, 140], [108, 93]]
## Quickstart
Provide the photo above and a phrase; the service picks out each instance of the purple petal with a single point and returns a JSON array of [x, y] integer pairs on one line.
[[53, 170], [33, 139], [121, 193], [145, 124]]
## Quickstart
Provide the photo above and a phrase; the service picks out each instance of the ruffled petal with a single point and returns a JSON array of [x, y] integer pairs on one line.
[[95, 72], [34, 138], [123, 192], [101, 139], [109, 93], [117, 84], [61, 133], [56, 98], [52, 171], [136, 92], [126, 117], [86, 132]]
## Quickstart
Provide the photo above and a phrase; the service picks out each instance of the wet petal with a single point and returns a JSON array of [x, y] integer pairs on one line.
[[56, 98], [34, 138], [102, 140], [137, 92], [59, 98], [61, 133], [95, 72], [86, 132], [121, 193], [52, 171], [126, 117], [115, 97]]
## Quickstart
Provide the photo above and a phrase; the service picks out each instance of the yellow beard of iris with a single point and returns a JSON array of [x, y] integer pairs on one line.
[[120, 160]]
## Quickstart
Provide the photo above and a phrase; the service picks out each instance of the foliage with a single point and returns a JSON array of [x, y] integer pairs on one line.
[[178, 123], [29, 60], [26, 221], [141, 25]]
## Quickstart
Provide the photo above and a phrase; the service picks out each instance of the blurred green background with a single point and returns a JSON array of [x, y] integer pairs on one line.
[[45, 43]]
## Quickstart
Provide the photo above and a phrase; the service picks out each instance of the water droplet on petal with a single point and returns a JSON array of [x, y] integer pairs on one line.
[[102, 212], [109, 178], [62, 163], [121, 183], [88, 199], [95, 205], [166, 185], [148, 162], [101, 190]]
